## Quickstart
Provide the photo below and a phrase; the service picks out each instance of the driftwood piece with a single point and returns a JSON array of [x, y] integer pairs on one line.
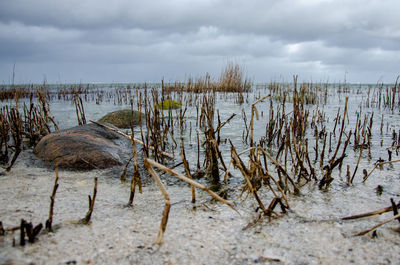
[[381, 211]]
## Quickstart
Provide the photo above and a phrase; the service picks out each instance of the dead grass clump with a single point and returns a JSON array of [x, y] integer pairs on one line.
[[232, 79]]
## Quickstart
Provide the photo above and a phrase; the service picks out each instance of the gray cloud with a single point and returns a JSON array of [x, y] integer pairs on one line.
[[99, 40]]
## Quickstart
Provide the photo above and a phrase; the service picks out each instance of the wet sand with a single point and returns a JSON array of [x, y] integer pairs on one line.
[[209, 234]]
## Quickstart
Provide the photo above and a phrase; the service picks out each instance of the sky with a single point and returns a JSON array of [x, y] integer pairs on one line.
[[145, 41]]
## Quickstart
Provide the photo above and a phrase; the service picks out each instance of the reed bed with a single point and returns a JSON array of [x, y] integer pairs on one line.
[[300, 145], [20, 128]]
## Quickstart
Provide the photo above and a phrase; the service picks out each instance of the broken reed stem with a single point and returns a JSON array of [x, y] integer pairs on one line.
[[336, 121], [86, 220], [295, 188], [300, 161], [2, 231], [341, 132], [395, 211], [132, 193], [80, 111], [164, 220], [378, 225], [312, 170], [187, 169], [359, 157], [29, 230], [52, 198], [239, 164], [348, 178], [123, 173], [321, 162], [192, 182], [198, 151], [220, 125], [327, 178], [22, 233], [279, 188], [132, 138], [16, 128], [254, 111], [227, 172], [381, 211], [136, 174], [379, 164]]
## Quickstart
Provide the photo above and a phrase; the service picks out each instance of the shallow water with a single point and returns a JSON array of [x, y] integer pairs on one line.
[[211, 233]]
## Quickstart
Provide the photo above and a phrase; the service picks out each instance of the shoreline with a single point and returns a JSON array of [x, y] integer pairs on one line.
[[213, 233]]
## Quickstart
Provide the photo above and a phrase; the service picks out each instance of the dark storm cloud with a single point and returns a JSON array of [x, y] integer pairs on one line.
[[319, 38]]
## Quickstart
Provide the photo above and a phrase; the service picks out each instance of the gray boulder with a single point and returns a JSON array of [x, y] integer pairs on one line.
[[89, 146]]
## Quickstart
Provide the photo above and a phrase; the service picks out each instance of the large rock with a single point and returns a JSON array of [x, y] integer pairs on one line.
[[88, 146], [123, 118]]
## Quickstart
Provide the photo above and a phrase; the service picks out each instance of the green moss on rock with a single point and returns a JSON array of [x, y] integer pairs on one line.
[[167, 104], [123, 118]]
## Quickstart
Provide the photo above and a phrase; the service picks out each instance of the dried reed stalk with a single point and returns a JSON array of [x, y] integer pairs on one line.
[[131, 138], [281, 169], [136, 174], [378, 225], [16, 128], [164, 220], [86, 219], [359, 157], [123, 173], [148, 163], [2, 231], [29, 230], [52, 198], [80, 111], [192, 182], [254, 111], [187, 169], [238, 163], [379, 164], [341, 133]]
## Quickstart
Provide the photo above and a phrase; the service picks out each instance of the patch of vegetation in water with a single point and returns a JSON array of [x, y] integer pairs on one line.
[[169, 104]]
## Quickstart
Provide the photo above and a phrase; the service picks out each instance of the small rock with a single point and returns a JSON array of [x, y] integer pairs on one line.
[[123, 118]]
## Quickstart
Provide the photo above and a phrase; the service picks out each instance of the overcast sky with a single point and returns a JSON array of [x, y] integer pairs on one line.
[[135, 41]]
